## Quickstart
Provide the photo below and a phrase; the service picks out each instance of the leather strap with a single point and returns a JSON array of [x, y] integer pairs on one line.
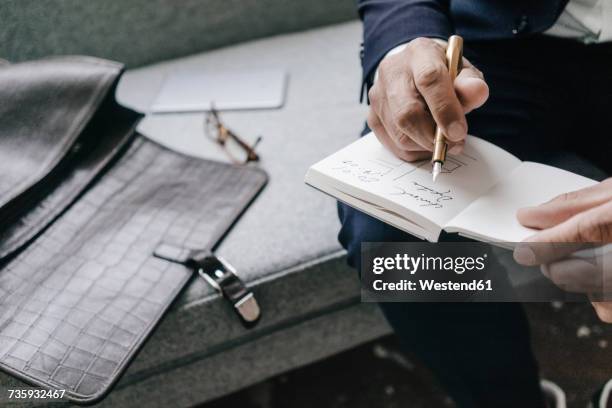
[[220, 274]]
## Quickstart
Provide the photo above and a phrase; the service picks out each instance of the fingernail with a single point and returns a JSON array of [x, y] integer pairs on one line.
[[456, 131], [524, 255]]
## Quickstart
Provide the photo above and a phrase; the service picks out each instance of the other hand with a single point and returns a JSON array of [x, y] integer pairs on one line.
[[568, 223]]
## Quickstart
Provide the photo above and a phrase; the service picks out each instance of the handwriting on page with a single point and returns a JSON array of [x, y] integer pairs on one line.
[[424, 196], [368, 173], [399, 178]]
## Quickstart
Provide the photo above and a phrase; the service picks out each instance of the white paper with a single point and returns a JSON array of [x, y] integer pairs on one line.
[[493, 215], [366, 170]]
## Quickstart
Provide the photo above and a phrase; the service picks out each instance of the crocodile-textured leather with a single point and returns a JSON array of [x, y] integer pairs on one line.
[[80, 298], [60, 127]]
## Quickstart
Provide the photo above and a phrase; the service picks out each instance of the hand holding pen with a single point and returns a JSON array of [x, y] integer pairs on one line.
[[414, 93]]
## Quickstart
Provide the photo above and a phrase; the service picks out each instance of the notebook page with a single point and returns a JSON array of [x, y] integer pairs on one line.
[[493, 216], [366, 170]]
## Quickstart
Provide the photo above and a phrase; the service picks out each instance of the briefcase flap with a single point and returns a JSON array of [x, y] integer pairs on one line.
[[59, 127], [85, 203]]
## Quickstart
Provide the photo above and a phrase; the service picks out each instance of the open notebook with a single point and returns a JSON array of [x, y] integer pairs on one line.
[[477, 194]]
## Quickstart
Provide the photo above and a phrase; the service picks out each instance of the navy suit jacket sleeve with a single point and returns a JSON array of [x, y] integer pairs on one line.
[[388, 23]]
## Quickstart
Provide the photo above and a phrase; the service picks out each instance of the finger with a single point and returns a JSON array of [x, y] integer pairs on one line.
[[416, 146], [591, 226], [604, 311], [403, 109], [407, 155], [401, 141], [416, 156], [433, 81], [578, 274], [471, 88], [457, 148], [409, 125], [539, 253], [565, 206], [377, 127]]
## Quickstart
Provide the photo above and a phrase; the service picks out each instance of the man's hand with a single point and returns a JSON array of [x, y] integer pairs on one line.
[[568, 223], [413, 92]]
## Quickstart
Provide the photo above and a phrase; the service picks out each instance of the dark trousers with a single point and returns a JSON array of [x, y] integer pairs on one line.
[[551, 102]]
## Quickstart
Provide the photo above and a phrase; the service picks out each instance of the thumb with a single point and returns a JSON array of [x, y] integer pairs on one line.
[[591, 226], [471, 88], [565, 206]]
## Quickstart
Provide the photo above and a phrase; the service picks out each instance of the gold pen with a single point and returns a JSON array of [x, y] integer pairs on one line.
[[454, 58]]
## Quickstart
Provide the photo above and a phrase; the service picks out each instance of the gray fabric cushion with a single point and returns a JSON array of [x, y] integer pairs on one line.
[[136, 32], [285, 245]]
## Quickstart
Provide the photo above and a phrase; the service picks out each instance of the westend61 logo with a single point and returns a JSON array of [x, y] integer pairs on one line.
[[414, 264]]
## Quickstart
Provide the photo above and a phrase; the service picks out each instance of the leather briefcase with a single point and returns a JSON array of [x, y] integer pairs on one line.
[[100, 228]]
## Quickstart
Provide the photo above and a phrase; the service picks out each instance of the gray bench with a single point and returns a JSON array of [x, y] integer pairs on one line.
[[285, 246]]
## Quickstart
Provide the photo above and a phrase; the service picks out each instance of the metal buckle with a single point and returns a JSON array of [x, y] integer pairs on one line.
[[248, 308], [223, 278], [219, 274]]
